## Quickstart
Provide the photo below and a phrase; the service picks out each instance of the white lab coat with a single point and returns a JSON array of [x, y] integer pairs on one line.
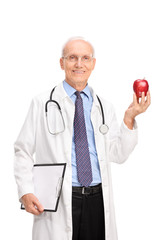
[[34, 137]]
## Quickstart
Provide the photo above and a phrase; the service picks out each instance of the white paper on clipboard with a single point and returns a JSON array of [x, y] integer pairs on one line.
[[48, 180]]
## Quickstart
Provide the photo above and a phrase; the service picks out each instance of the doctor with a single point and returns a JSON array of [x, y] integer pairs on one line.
[[86, 209]]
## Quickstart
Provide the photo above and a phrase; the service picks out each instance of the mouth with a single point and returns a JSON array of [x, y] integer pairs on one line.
[[78, 71]]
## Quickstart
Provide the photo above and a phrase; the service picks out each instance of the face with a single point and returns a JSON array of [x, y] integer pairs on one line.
[[77, 72]]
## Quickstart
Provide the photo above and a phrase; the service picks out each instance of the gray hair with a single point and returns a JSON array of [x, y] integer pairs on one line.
[[77, 38]]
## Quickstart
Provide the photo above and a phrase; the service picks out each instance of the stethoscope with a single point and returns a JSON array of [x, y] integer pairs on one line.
[[103, 128]]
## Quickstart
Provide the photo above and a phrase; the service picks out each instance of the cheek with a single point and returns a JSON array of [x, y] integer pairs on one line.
[[68, 72], [89, 70]]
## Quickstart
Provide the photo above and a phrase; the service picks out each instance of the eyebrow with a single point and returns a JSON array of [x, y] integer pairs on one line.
[[86, 54]]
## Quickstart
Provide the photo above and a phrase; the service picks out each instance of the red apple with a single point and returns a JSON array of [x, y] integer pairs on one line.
[[139, 86]]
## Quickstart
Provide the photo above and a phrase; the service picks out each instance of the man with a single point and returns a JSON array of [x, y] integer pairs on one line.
[[86, 209]]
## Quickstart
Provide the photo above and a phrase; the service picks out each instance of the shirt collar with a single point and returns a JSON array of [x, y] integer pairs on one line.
[[70, 90]]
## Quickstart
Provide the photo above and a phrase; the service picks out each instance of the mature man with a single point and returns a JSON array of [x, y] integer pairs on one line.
[[86, 209]]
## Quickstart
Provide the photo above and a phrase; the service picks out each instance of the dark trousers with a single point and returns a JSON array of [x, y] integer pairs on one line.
[[88, 216]]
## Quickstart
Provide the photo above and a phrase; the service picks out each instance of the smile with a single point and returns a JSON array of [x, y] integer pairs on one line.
[[78, 71]]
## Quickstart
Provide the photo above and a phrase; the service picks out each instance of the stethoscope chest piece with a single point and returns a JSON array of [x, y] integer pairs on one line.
[[103, 128]]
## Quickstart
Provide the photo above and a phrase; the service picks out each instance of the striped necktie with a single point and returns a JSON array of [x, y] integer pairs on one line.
[[83, 161]]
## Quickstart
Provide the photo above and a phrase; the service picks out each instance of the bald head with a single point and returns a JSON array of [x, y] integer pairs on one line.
[[79, 41]]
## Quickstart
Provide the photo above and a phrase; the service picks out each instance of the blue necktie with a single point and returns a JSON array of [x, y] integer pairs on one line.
[[84, 170]]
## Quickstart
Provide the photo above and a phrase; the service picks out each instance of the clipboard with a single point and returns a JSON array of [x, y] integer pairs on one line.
[[48, 181]]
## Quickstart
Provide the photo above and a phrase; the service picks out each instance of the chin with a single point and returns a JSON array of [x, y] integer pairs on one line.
[[79, 80]]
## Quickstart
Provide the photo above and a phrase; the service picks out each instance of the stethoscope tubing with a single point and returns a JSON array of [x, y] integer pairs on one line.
[[103, 119], [103, 126]]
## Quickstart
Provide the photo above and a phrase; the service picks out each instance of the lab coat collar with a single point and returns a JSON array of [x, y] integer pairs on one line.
[[60, 92], [95, 100]]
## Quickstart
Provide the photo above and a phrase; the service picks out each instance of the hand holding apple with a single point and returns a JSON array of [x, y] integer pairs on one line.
[[137, 107]]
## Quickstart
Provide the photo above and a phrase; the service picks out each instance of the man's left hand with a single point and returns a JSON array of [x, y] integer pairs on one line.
[[136, 108]]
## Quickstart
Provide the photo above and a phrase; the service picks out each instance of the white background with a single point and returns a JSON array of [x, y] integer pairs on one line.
[[126, 38]]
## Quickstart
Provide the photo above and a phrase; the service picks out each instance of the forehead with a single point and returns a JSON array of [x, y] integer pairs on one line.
[[78, 47]]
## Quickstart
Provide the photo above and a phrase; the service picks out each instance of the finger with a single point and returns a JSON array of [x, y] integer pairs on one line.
[[34, 210], [135, 99], [31, 208], [148, 101], [143, 98], [148, 98], [38, 205]]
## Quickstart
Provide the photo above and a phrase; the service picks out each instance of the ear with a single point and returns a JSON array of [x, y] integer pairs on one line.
[[62, 63], [94, 63]]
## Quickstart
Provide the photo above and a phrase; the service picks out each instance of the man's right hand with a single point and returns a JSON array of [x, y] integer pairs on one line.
[[31, 204]]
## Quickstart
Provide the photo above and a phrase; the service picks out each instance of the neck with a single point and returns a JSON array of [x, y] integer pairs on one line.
[[79, 86]]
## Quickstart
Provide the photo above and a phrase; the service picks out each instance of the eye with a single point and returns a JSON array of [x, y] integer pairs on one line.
[[86, 58], [72, 58]]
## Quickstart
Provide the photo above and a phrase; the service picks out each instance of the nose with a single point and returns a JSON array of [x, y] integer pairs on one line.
[[79, 62]]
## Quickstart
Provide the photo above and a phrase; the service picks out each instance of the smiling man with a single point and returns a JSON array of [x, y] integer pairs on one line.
[[86, 209]]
